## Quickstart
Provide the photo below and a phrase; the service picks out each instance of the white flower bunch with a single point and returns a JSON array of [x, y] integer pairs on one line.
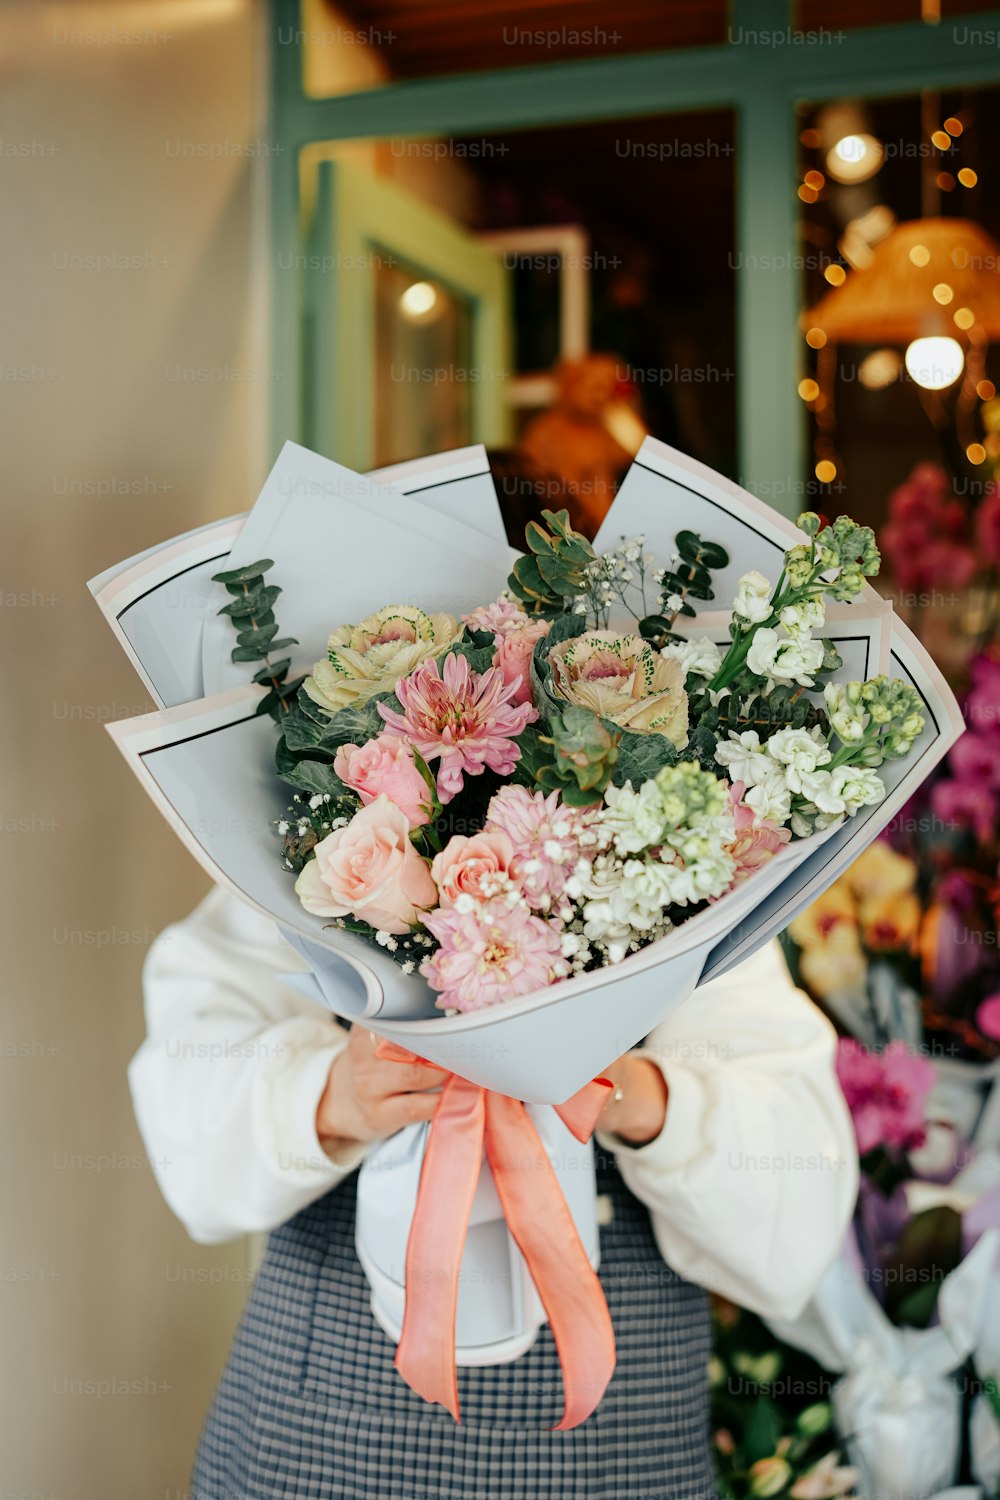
[[662, 846], [697, 654], [790, 778]]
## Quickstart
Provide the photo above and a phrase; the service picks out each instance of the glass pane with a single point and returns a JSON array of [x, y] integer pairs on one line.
[[422, 351], [364, 43]]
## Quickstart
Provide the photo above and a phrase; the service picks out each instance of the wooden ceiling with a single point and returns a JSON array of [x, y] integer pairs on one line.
[[424, 38]]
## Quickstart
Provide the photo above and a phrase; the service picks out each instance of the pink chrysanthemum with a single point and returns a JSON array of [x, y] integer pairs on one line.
[[757, 839], [491, 953], [465, 720], [545, 836]]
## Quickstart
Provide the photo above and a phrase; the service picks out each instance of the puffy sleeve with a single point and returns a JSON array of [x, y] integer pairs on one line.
[[752, 1181], [227, 1083]]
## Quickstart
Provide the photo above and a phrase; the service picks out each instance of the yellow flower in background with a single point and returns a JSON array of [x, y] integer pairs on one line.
[[880, 871], [835, 909], [836, 965], [890, 923]]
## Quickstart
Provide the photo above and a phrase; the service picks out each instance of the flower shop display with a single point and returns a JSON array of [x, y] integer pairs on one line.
[[476, 790], [907, 1315]]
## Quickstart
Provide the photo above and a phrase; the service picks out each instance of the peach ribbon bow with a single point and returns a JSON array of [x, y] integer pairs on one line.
[[469, 1118]]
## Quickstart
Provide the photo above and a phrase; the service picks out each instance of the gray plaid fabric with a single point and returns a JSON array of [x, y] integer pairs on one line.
[[310, 1406]]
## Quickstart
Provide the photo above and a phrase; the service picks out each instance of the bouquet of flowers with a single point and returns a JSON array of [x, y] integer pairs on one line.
[[516, 780]]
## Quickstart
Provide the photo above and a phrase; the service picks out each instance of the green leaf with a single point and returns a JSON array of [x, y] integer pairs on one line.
[[275, 671], [255, 642], [688, 544], [640, 756], [244, 574], [713, 555], [306, 775], [258, 601], [762, 1433]]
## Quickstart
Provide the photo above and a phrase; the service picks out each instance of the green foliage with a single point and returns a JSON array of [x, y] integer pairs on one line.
[[689, 578], [576, 757], [554, 571], [251, 610]]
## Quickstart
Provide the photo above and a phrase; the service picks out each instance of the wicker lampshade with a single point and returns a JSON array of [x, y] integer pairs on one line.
[[892, 300]]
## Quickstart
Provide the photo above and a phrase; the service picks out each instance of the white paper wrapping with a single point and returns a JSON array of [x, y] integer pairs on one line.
[[344, 545]]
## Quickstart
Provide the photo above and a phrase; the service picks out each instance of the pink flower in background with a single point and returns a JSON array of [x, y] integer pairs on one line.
[[974, 759], [757, 839], [982, 704], [886, 1093], [476, 866], [967, 804], [988, 526], [465, 720], [988, 1017], [491, 953], [545, 836], [926, 536], [385, 764]]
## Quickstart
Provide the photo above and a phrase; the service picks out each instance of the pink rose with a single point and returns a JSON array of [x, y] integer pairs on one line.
[[466, 865], [385, 765], [369, 870], [513, 656]]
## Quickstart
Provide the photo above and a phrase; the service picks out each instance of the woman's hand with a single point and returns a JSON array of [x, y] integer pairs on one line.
[[638, 1116], [368, 1098]]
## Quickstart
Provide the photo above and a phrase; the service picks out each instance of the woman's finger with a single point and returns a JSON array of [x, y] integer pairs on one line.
[[408, 1109], [403, 1078]]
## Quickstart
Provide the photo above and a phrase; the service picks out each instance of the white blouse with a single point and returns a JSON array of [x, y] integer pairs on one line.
[[750, 1184]]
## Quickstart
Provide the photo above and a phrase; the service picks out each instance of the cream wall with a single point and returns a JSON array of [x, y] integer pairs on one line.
[[150, 380]]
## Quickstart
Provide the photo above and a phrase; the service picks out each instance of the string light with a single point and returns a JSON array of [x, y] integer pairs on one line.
[[826, 471], [815, 338], [942, 293], [941, 139], [835, 275], [808, 390], [815, 180], [945, 182], [975, 453], [986, 390], [934, 363], [879, 369], [967, 177], [919, 255], [953, 126], [807, 194], [964, 317]]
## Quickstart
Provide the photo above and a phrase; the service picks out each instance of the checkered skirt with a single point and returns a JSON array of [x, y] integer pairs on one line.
[[310, 1406]]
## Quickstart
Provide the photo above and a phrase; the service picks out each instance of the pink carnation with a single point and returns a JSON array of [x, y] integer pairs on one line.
[[465, 720], [385, 765], [490, 954], [886, 1093], [545, 836], [757, 839]]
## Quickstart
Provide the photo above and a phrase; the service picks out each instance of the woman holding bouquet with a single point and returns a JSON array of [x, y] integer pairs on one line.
[[725, 1160]]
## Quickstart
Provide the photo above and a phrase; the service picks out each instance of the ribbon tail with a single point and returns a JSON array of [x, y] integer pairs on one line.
[[580, 1111], [542, 1225], [425, 1357]]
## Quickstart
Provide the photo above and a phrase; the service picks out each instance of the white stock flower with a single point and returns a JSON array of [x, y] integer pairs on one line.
[[696, 653], [744, 757], [823, 792], [859, 786], [769, 796], [753, 597], [792, 659], [798, 751], [810, 614], [633, 820]]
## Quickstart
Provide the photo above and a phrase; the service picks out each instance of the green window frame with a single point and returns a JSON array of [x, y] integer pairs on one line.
[[763, 85]]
